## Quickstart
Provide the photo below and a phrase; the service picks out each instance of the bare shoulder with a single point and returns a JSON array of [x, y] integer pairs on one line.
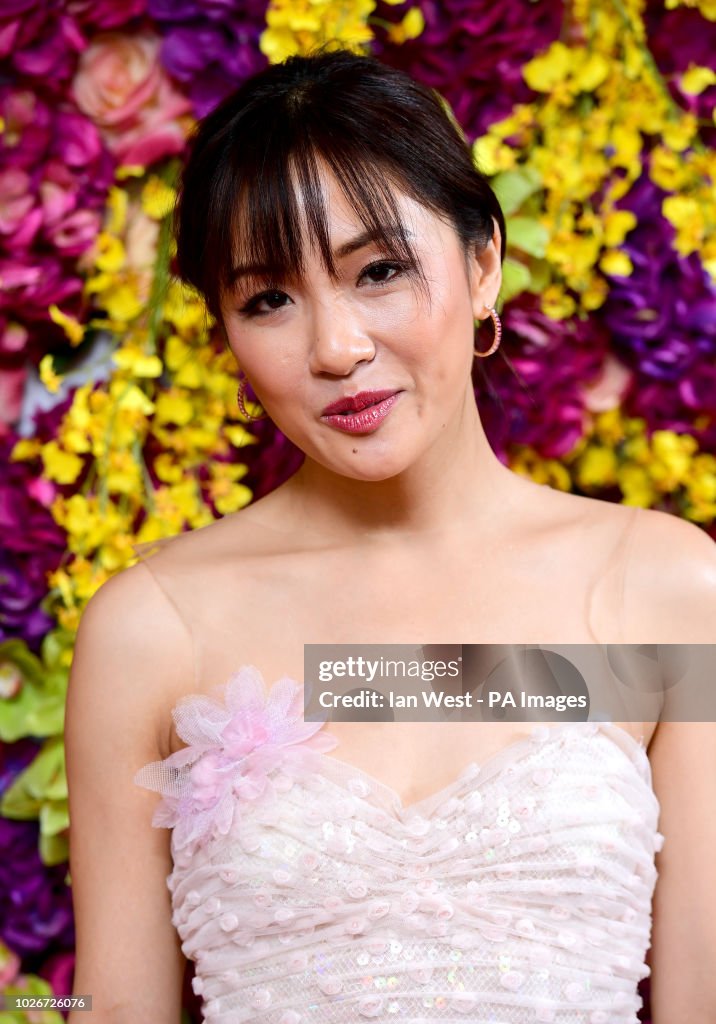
[[120, 611], [130, 644], [670, 582]]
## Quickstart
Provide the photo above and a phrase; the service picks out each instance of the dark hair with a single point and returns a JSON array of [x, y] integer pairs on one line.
[[237, 201]]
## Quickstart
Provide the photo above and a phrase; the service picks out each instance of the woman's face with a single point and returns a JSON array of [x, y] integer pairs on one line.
[[315, 341]]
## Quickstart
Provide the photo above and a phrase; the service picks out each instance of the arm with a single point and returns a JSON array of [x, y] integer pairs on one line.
[[129, 646], [671, 598]]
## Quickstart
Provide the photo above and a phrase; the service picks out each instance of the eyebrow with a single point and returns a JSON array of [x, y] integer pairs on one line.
[[347, 249]]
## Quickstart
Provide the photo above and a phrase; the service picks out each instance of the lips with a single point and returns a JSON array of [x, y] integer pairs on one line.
[[354, 403]]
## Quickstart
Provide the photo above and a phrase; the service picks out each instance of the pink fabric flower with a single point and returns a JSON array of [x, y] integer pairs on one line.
[[233, 743], [122, 87]]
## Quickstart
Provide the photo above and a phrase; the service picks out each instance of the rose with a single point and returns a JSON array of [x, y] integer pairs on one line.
[[122, 87]]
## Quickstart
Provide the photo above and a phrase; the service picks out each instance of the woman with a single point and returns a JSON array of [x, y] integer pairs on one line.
[[486, 871]]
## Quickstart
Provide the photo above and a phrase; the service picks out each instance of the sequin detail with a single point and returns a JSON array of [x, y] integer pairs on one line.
[[520, 892]]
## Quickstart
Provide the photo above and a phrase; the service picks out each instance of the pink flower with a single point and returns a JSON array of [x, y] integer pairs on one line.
[[233, 743], [122, 87], [53, 185]]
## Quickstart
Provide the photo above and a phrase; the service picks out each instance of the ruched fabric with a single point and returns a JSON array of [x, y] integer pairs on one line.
[[305, 891]]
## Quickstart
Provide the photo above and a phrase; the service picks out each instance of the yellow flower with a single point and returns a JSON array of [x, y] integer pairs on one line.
[[409, 28], [239, 436], [117, 203], [49, 378], [297, 26], [129, 397], [129, 171], [616, 263], [158, 198], [122, 473], [636, 486], [110, 255], [544, 72], [595, 294], [591, 69], [695, 79], [617, 225], [492, 155], [556, 304], [687, 217], [706, 7], [672, 458], [173, 408], [26, 448], [679, 134], [73, 329], [140, 364], [61, 466], [123, 302], [665, 168], [597, 467], [184, 309], [609, 427], [168, 469], [628, 144]]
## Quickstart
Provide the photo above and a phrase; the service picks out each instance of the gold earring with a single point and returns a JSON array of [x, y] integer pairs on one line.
[[243, 381], [498, 334]]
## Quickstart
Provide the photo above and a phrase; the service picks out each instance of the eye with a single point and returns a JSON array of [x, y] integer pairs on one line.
[[380, 267], [272, 296]]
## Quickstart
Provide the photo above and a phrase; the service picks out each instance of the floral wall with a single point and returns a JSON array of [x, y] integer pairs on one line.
[[596, 123]]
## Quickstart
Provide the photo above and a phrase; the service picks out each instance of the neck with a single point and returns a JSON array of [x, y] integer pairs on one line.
[[459, 480]]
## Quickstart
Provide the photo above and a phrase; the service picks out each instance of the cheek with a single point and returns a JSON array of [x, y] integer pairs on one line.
[[274, 366]]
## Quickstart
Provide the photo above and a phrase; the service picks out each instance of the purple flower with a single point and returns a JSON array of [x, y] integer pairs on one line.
[[211, 46], [233, 743], [35, 901], [40, 41], [32, 547], [472, 52], [59, 969], [662, 319], [676, 39], [532, 391], [16, 757], [105, 14]]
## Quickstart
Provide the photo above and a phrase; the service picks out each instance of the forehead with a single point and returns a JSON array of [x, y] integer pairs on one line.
[[295, 214]]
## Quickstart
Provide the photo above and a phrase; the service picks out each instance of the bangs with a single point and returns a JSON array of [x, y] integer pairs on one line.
[[252, 195], [278, 210]]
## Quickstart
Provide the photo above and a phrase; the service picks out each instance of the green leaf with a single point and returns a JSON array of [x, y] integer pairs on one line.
[[515, 279], [527, 235], [38, 708], [54, 849], [43, 781], [54, 817], [514, 186]]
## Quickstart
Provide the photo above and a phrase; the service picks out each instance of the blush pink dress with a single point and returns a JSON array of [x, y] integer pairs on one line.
[[305, 891]]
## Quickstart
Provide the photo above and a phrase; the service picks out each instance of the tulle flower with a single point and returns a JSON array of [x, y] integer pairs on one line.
[[234, 741]]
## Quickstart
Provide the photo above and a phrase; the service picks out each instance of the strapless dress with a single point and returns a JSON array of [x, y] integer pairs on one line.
[[305, 891]]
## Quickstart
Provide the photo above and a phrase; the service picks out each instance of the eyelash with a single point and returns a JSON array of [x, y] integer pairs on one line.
[[249, 309]]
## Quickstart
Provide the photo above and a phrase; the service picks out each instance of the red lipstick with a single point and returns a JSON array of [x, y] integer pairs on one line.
[[361, 413]]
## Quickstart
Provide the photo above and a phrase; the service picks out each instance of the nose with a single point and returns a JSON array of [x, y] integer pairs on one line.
[[339, 340]]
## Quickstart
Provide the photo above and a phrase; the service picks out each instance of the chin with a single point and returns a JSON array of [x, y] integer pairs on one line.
[[365, 465]]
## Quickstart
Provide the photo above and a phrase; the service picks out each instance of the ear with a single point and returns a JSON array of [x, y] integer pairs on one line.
[[486, 274]]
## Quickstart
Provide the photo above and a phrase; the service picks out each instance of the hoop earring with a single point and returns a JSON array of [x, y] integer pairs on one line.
[[498, 334], [243, 381]]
